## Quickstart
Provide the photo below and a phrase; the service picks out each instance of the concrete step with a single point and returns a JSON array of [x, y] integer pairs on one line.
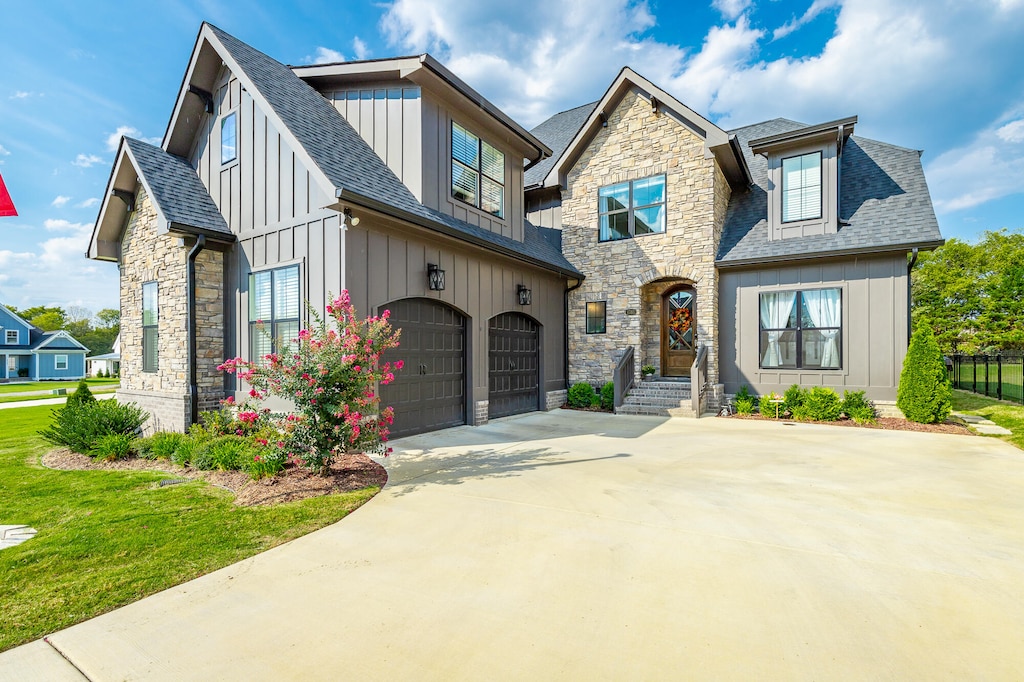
[[650, 410], [661, 392], [657, 401]]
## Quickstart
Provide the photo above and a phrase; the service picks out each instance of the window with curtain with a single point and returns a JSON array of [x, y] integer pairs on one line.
[[229, 138], [150, 325], [274, 303], [630, 209], [596, 317], [801, 187], [801, 329], [478, 172]]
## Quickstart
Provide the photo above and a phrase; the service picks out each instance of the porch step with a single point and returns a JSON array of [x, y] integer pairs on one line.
[[659, 398], [650, 410]]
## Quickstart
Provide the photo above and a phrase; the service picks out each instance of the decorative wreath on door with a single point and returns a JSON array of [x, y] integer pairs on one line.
[[681, 321]]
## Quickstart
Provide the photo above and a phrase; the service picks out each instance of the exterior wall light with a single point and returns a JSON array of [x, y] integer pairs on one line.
[[435, 277], [350, 220], [525, 295]]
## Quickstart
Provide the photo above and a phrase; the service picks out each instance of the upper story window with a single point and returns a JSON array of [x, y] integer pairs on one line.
[[12, 337], [801, 187], [478, 172], [150, 327], [60, 362], [229, 137], [801, 329], [274, 303], [630, 209]]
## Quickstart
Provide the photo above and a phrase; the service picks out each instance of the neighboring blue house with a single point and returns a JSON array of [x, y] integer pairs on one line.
[[27, 352]]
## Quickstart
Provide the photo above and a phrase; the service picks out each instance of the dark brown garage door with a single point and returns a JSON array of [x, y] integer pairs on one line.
[[513, 365], [429, 392]]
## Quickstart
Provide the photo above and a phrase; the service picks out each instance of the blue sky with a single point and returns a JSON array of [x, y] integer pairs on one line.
[[939, 76]]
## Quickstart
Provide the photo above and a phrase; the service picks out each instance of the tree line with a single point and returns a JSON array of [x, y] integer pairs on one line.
[[95, 332], [973, 294]]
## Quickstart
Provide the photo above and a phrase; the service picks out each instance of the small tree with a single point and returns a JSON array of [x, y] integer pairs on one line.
[[924, 393], [331, 377], [81, 395]]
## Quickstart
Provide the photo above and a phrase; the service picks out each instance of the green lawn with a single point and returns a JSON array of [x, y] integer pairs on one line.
[[108, 538], [1006, 414], [50, 385]]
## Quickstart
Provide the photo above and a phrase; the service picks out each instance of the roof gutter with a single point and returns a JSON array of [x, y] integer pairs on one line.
[[865, 251]]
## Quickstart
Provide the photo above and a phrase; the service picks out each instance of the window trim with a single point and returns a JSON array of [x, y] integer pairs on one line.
[[58, 360], [255, 322], [821, 187], [799, 329], [631, 209], [155, 326], [7, 337], [223, 119], [587, 317], [480, 174]]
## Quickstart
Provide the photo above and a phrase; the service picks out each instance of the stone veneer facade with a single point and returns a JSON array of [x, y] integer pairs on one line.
[[147, 255], [631, 274]]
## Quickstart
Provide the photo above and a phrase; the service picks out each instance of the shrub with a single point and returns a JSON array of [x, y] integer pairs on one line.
[[647, 369], [924, 394], [794, 397], [164, 444], [769, 409], [186, 450], [743, 393], [744, 405], [112, 446], [857, 407], [582, 395], [79, 426], [608, 396], [23, 372], [81, 395], [227, 453], [820, 404], [265, 462]]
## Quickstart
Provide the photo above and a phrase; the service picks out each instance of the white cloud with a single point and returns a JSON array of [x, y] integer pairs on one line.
[[1012, 132], [731, 9], [359, 48], [61, 225], [86, 160], [324, 55], [88, 203], [114, 138], [816, 8], [3, 153], [60, 201], [20, 94]]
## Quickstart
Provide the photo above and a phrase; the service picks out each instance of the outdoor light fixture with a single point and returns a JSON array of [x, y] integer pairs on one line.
[[350, 219], [525, 295], [435, 277], [654, 104], [604, 119]]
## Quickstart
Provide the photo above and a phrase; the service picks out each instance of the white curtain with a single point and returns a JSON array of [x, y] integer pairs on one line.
[[776, 309], [823, 308]]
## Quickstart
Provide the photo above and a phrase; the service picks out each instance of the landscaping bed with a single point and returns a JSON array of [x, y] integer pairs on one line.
[[883, 423]]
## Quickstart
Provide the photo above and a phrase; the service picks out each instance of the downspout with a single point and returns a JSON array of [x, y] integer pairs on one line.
[[910, 266], [193, 386], [565, 307]]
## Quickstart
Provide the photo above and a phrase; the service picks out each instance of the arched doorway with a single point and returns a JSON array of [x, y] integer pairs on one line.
[[513, 365], [678, 330]]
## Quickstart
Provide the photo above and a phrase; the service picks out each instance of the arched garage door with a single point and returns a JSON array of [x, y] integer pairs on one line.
[[429, 392], [513, 365]]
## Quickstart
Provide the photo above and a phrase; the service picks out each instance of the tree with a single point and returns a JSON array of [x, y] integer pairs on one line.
[[924, 393], [49, 321], [109, 318]]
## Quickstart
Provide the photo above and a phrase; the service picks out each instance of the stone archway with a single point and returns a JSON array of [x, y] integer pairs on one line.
[[652, 299]]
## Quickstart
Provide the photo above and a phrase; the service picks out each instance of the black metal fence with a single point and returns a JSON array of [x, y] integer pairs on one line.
[[997, 376]]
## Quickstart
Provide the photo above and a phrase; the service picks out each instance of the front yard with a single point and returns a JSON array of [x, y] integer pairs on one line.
[[30, 386], [1006, 414], [108, 538]]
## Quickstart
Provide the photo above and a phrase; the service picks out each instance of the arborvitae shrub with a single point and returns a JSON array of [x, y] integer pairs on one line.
[[924, 393], [582, 395], [81, 395]]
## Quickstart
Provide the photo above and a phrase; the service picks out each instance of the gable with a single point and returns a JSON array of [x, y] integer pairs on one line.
[[10, 320]]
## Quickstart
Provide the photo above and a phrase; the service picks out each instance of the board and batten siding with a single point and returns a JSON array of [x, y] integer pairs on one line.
[[385, 263], [874, 333], [267, 184], [544, 207]]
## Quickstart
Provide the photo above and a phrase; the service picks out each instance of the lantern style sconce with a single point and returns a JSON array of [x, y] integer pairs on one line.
[[435, 277], [525, 295]]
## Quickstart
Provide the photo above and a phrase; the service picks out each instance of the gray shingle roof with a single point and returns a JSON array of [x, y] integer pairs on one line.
[[557, 132], [352, 166], [883, 197], [177, 188]]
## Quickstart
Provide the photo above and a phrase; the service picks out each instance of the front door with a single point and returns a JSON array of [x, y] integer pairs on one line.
[[678, 331]]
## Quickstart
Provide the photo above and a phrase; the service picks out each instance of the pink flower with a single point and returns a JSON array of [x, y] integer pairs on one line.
[[399, 364]]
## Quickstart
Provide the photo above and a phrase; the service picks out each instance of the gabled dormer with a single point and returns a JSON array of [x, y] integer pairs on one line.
[[14, 331], [803, 178]]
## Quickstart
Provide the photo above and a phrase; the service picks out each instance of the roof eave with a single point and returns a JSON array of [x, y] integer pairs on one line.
[[807, 133], [838, 253]]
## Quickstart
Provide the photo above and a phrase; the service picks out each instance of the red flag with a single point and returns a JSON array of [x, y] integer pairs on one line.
[[6, 205]]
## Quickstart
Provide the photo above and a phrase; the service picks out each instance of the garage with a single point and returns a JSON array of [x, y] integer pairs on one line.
[[429, 393], [513, 365]]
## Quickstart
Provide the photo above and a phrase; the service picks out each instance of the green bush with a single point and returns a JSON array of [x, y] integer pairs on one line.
[[161, 445], [744, 405], [81, 395], [743, 393], [648, 369], [79, 426], [608, 396], [769, 409], [820, 404], [582, 395], [924, 394], [112, 446], [857, 407], [227, 453], [794, 397], [265, 462]]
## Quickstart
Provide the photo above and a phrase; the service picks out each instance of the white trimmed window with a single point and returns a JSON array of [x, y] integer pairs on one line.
[[275, 299], [11, 337], [801, 187], [478, 172], [60, 362], [229, 138]]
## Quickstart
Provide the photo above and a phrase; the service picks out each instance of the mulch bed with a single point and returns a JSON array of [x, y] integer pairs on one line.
[[348, 473], [884, 423]]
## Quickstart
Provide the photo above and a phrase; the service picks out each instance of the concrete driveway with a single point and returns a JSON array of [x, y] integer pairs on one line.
[[587, 546]]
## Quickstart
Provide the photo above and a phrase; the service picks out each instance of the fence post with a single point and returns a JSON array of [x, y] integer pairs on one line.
[[986, 376], [999, 376], [974, 380]]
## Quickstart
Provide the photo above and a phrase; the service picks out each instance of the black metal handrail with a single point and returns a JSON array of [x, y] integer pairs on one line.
[[624, 375]]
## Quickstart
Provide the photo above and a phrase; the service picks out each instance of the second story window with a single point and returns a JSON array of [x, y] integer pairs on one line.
[[478, 172], [801, 187], [274, 301], [150, 327], [12, 336], [630, 209], [229, 138]]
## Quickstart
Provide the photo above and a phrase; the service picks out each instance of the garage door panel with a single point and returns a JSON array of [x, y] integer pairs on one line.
[[513, 365]]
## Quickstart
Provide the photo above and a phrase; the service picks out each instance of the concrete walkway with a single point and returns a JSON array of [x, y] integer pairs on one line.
[[50, 401], [579, 546]]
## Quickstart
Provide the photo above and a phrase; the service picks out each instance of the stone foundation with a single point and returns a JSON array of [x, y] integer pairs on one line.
[[887, 408], [167, 411], [555, 399], [480, 412]]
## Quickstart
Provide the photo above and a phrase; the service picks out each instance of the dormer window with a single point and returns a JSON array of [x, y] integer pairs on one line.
[[478, 172], [801, 187], [229, 138]]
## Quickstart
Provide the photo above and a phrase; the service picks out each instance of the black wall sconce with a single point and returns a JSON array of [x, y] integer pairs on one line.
[[525, 295], [655, 104], [435, 277]]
